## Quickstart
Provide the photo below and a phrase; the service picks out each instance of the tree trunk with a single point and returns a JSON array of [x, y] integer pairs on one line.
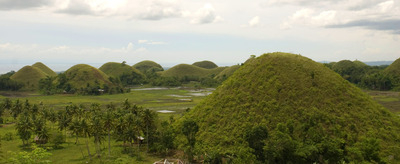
[[109, 143], [87, 146], [147, 136]]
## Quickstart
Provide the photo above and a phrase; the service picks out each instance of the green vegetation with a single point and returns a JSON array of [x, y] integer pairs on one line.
[[146, 65], [205, 64], [367, 77], [306, 113], [7, 84], [29, 76], [393, 72], [126, 74], [187, 70], [226, 73], [44, 69]]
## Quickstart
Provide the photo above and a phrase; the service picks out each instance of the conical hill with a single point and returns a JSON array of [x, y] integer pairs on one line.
[[145, 65], [29, 76], [44, 68], [394, 68], [127, 74], [80, 75], [206, 64], [182, 70], [285, 108]]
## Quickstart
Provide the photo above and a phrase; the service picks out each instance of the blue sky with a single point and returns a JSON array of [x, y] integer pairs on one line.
[[185, 31]]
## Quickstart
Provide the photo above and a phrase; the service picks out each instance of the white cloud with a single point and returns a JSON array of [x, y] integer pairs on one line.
[[254, 21], [308, 17], [205, 15], [158, 9], [151, 42], [77, 7], [142, 41]]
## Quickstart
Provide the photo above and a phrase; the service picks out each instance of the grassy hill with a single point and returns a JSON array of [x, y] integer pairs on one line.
[[29, 76], [145, 65], [44, 68], [224, 74], [182, 70], [127, 74], [285, 108], [393, 72], [205, 64], [81, 74]]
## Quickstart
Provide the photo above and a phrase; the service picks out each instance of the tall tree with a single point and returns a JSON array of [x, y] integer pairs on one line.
[[24, 127], [109, 122], [189, 129]]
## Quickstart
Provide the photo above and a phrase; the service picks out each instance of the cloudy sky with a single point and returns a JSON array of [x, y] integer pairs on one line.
[[184, 31]]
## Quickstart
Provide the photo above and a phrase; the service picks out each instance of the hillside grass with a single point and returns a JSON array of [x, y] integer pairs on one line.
[[29, 76], [114, 69], [281, 91], [45, 69], [227, 72], [145, 65], [82, 74], [205, 64], [183, 70]]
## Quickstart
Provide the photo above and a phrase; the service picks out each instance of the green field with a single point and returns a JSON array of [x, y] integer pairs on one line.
[[157, 99]]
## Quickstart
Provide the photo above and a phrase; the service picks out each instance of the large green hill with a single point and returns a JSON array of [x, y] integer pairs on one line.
[[80, 75], [285, 108], [127, 74], [44, 68], [145, 65], [182, 70], [205, 64], [29, 76]]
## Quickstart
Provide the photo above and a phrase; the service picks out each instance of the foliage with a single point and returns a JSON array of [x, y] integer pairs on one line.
[[37, 156], [7, 84]]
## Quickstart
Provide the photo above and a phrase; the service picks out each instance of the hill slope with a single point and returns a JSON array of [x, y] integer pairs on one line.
[[44, 68], [182, 70], [145, 65], [29, 76], [205, 64], [281, 108], [227, 72], [81, 74]]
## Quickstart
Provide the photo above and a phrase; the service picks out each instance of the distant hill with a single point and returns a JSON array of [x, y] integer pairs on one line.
[[127, 74], [183, 70], [80, 75], [29, 76], [44, 68], [205, 64], [393, 71], [145, 65], [286, 108], [224, 74]]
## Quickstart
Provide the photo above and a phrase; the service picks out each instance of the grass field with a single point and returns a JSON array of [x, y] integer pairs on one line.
[[176, 100], [389, 99]]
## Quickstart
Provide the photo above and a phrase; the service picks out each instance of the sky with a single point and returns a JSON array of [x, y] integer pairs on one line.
[[61, 33]]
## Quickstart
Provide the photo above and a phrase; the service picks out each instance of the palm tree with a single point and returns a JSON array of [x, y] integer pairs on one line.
[[97, 131], [148, 118], [16, 109], [86, 131], [24, 127], [109, 124]]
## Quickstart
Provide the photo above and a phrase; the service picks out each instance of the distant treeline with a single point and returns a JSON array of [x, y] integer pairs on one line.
[[365, 76]]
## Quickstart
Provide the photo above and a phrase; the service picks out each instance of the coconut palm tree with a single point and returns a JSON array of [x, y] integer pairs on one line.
[[24, 127], [148, 118], [109, 122]]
